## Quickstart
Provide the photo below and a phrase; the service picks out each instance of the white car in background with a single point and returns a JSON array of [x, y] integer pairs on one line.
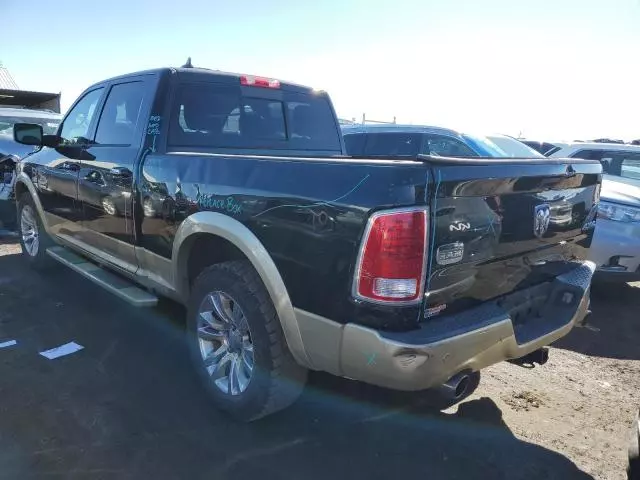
[[616, 243]]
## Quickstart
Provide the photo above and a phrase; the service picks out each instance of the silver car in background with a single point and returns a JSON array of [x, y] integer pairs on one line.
[[11, 152], [616, 243]]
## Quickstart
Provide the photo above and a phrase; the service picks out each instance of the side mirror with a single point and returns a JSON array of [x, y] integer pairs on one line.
[[28, 134]]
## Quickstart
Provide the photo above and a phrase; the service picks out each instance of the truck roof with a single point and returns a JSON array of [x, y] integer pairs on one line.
[[197, 73]]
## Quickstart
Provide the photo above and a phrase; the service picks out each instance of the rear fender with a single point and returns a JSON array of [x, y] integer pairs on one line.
[[240, 236]]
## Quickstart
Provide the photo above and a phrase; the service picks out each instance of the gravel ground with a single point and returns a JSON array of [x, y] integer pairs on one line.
[[129, 406], [582, 402]]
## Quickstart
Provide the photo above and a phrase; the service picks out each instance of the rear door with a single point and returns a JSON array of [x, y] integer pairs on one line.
[[503, 225], [106, 176]]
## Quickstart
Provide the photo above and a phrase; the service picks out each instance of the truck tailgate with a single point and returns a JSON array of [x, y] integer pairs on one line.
[[498, 226]]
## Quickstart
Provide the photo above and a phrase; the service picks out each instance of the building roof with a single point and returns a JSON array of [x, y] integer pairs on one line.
[[6, 80]]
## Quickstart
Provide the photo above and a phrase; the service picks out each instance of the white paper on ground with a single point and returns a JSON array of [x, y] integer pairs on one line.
[[62, 350], [8, 344]]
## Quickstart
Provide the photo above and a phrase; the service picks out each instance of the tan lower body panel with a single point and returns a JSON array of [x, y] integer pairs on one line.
[[364, 354]]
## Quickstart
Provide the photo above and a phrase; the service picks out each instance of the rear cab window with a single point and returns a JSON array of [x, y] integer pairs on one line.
[[213, 115]]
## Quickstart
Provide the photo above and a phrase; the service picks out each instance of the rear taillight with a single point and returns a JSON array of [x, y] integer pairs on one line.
[[392, 259], [252, 81]]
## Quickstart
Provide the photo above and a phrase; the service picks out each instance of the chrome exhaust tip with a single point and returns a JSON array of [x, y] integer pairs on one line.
[[456, 387]]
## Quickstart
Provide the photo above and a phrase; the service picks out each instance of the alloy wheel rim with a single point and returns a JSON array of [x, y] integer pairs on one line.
[[224, 338], [29, 230], [147, 208], [108, 206]]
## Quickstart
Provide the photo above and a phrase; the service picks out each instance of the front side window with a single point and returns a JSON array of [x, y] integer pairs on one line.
[[443, 146], [120, 115], [76, 124], [95, 177]]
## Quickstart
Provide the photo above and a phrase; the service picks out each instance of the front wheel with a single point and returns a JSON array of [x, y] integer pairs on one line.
[[237, 343], [34, 240]]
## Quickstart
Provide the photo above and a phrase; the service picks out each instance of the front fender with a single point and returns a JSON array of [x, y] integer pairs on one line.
[[23, 181], [241, 237]]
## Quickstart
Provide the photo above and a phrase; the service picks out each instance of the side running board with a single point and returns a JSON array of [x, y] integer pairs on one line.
[[119, 286]]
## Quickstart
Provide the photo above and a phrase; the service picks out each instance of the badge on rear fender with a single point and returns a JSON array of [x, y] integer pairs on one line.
[[450, 253]]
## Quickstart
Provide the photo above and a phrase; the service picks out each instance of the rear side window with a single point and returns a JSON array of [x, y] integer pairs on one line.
[[354, 143], [443, 146], [619, 163], [630, 166], [393, 144], [219, 116], [543, 147]]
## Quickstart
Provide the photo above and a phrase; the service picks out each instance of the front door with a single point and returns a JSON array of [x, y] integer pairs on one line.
[[55, 170], [106, 174]]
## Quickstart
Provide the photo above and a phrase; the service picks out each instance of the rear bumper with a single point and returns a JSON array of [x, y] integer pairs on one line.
[[469, 341]]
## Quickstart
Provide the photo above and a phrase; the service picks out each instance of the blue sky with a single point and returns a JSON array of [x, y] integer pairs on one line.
[[553, 69]]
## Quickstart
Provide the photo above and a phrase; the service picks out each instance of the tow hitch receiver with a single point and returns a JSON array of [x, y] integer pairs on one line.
[[539, 356]]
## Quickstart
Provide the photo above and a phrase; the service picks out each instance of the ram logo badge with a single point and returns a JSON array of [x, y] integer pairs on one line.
[[541, 217], [459, 227]]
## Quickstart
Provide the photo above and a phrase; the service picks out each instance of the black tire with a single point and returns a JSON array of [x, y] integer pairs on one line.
[[277, 379], [39, 259]]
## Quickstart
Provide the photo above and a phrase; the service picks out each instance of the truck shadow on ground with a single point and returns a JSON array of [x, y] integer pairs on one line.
[[613, 329], [129, 406]]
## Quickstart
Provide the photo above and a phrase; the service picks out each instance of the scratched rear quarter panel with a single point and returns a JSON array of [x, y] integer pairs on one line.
[[309, 214]]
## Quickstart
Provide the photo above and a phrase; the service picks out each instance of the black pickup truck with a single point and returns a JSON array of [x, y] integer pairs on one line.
[[232, 194]]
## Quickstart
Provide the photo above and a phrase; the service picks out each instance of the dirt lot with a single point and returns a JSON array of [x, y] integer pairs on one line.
[[128, 405], [581, 403]]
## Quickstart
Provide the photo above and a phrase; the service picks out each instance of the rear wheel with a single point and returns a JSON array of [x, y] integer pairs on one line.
[[109, 206], [237, 343], [34, 240]]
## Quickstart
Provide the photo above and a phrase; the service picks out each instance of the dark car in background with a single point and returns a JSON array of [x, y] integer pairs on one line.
[[11, 152], [406, 141], [412, 140]]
